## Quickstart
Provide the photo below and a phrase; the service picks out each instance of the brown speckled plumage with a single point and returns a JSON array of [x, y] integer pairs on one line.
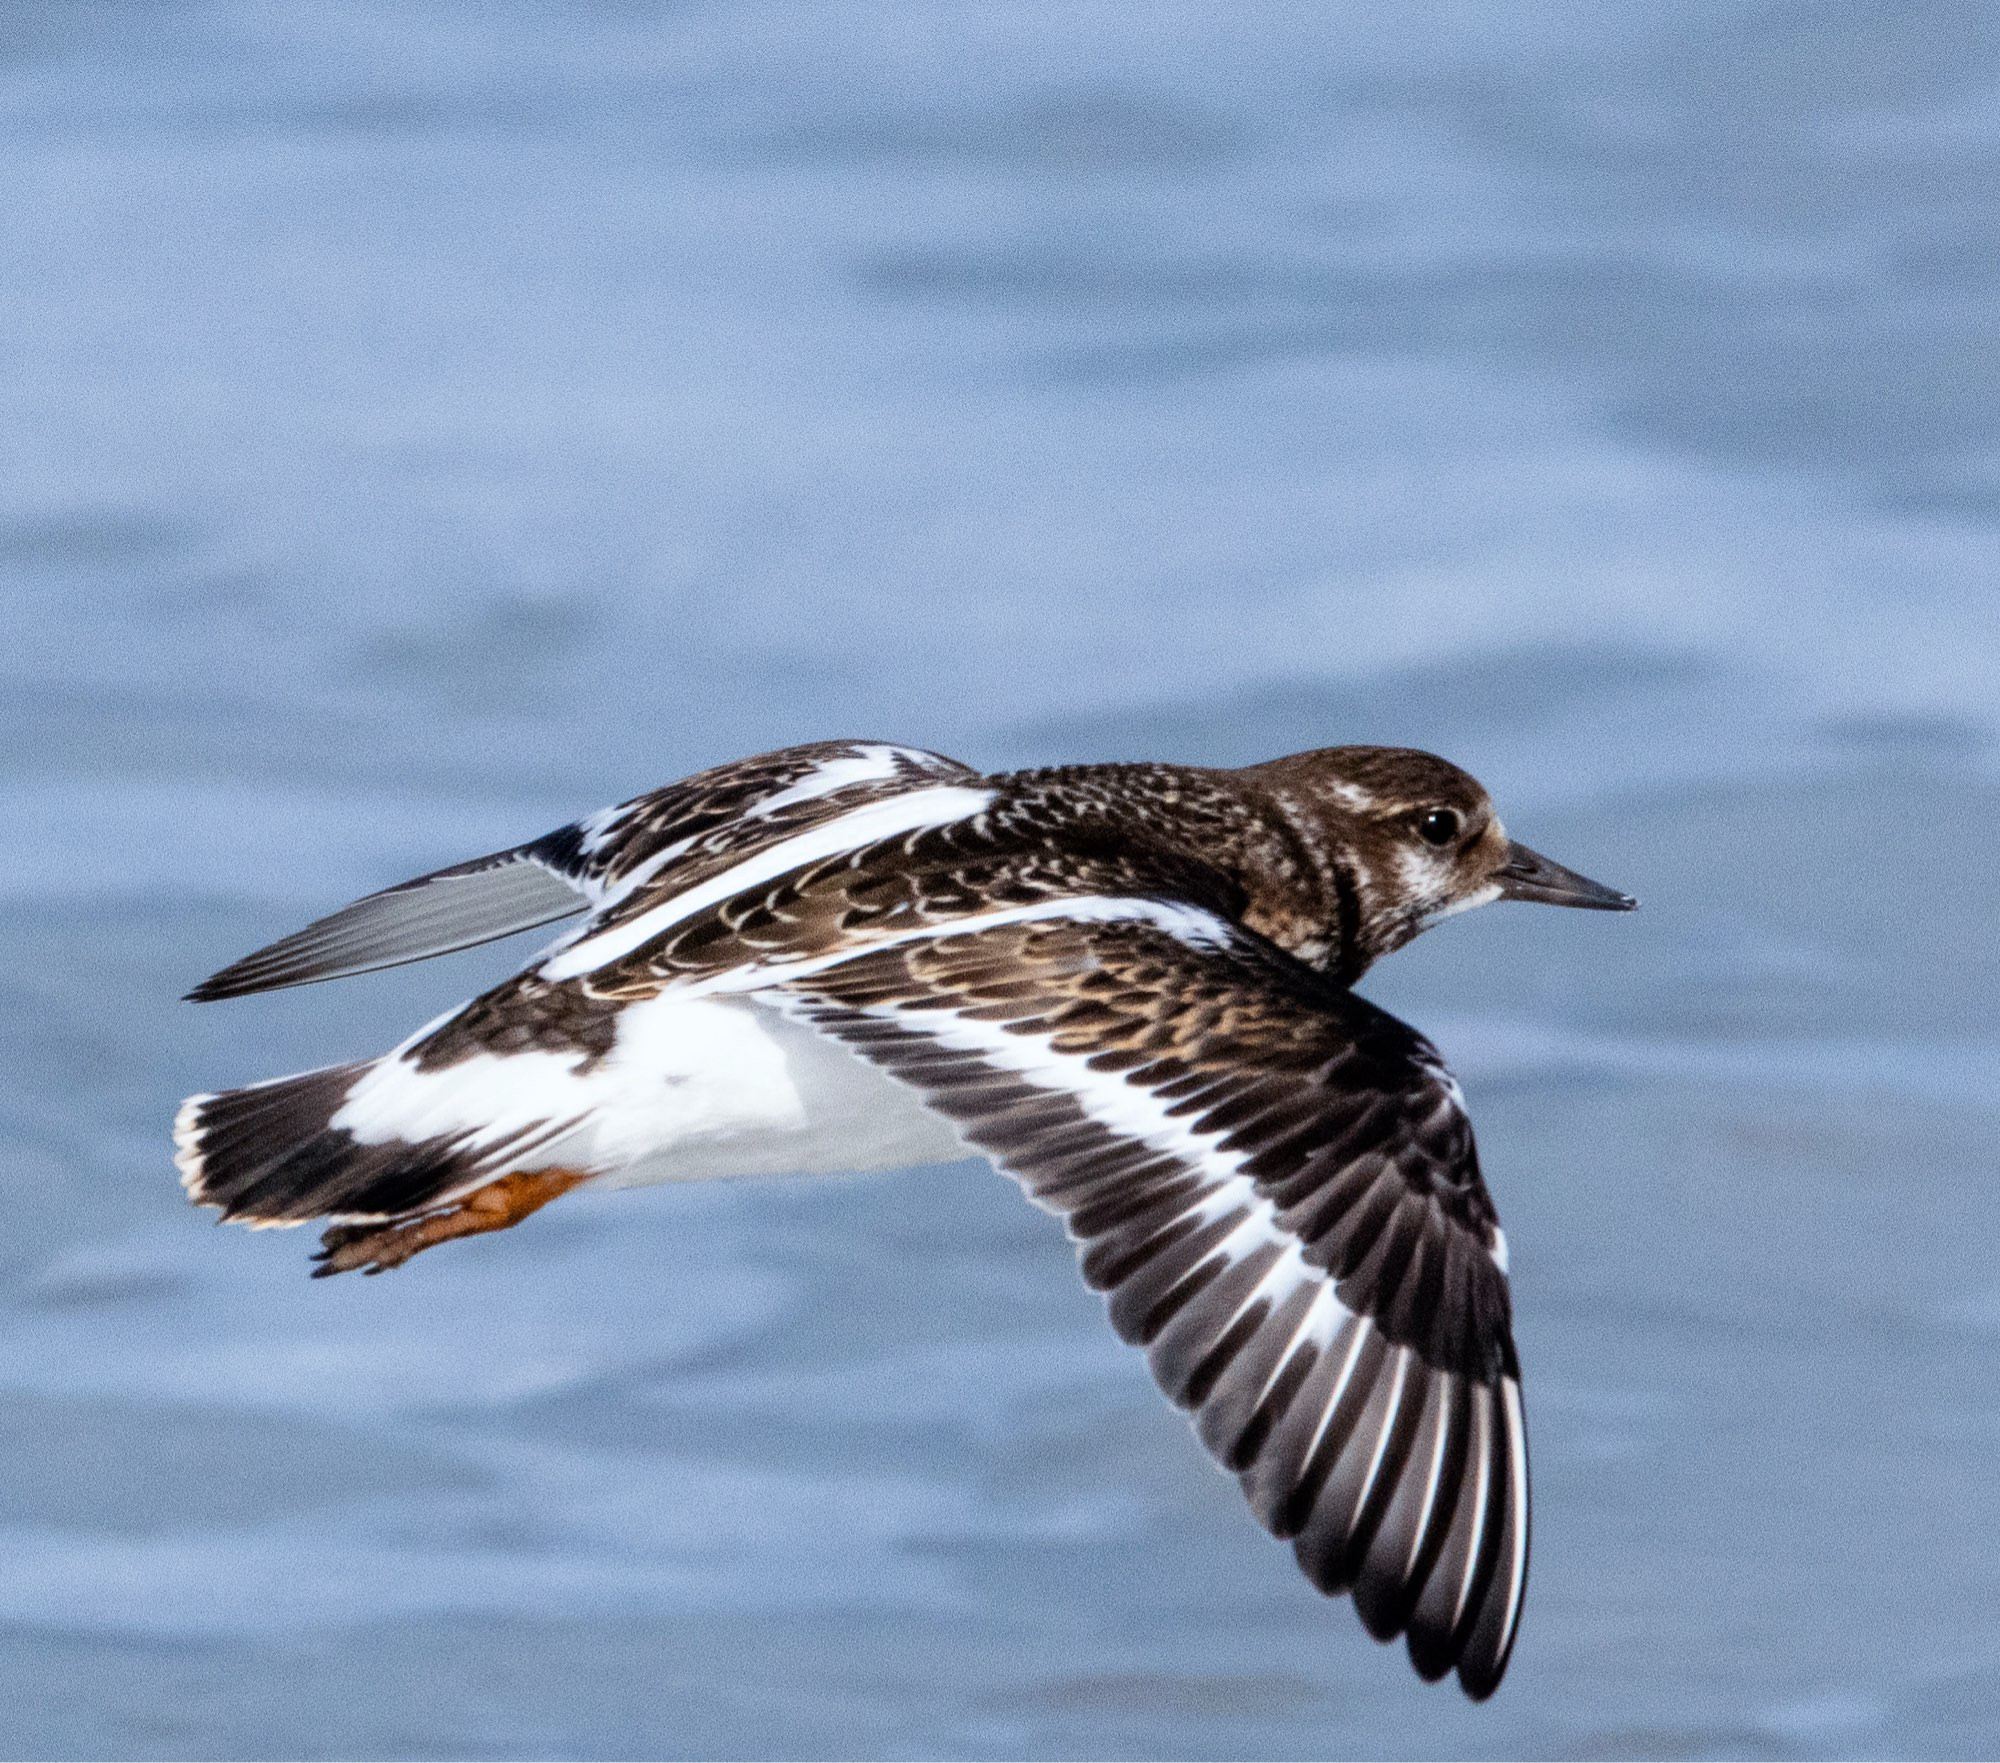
[[1126, 984]]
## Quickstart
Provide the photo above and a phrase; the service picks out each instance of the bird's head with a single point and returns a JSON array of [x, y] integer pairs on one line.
[[1409, 839]]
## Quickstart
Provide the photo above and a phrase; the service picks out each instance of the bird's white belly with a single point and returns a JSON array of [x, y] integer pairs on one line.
[[700, 1088]]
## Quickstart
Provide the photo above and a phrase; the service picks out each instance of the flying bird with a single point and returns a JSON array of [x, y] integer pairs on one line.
[[1128, 985]]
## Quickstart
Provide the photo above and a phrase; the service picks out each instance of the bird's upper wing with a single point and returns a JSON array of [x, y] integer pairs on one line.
[[591, 865], [1275, 1183]]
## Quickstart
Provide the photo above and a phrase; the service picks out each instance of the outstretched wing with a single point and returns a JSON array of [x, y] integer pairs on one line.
[[449, 909], [591, 865], [1275, 1184]]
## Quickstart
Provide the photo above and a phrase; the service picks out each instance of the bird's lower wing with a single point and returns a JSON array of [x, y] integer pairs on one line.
[[1276, 1186]]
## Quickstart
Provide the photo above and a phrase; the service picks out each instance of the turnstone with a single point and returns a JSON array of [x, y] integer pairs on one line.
[[1127, 985]]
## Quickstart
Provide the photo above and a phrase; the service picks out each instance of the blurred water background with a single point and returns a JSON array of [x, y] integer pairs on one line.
[[419, 424]]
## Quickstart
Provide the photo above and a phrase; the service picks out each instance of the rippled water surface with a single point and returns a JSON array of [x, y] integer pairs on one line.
[[420, 424]]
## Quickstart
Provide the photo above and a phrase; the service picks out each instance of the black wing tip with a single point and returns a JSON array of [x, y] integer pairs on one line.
[[246, 978], [226, 983], [1433, 1656], [290, 961], [1480, 1678]]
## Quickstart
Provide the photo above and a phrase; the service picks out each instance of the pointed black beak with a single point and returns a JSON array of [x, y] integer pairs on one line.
[[1528, 875]]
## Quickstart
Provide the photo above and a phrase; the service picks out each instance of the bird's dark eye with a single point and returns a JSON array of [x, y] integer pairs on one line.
[[1440, 826]]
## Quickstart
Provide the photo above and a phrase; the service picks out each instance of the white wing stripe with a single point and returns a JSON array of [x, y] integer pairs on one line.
[[872, 764], [1482, 1403], [1517, 1498], [913, 812], [641, 873], [1283, 1277], [1123, 1108], [1252, 1234], [1277, 1283], [1362, 1329], [1321, 1324], [1391, 1410], [1435, 1474], [594, 830]]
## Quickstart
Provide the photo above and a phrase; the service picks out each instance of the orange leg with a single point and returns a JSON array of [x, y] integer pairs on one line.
[[375, 1248]]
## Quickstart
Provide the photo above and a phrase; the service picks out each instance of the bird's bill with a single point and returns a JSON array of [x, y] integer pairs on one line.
[[1528, 875]]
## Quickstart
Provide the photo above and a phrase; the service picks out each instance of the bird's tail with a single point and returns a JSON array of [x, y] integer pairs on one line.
[[275, 1153]]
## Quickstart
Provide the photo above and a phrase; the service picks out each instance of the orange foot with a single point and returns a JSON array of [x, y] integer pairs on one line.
[[375, 1248]]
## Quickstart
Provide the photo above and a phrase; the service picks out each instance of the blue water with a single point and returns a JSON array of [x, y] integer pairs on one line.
[[421, 424]]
